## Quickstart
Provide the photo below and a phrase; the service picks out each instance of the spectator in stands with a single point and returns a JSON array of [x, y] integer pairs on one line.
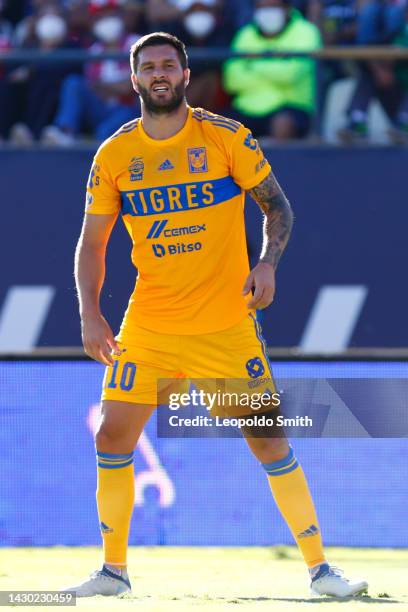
[[25, 34], [336, 20], [378, 82], [163, 14], [6, 29], [168, 15], [134, 16], [102, 98], [36, 86], [79, 23], [202, 26], [6, 32], [13, 10], [238, 12], [379, 22], [274, 96], [399, 132]]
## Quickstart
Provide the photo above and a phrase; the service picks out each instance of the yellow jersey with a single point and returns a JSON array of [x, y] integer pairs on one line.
[[182, 202]]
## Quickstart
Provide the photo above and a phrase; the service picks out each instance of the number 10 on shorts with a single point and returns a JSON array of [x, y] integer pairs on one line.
[[125, 378]]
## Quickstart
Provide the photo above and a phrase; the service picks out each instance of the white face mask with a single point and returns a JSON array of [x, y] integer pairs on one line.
[[108, 29], [270, 19], [199, 23], [50, 27]]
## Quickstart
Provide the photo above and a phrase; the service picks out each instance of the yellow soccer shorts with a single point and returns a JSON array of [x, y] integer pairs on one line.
[[232, 361]]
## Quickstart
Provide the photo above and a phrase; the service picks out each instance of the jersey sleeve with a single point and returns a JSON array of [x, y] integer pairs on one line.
[[249, 166], [102, 195]]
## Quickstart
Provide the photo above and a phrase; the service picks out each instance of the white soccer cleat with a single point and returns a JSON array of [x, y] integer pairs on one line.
[[329, 580], [102, 582]]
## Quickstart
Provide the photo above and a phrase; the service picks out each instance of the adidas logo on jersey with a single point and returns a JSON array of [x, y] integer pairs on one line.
[[166, 165]]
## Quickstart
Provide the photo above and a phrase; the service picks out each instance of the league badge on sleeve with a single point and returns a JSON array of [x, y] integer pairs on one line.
[[136, 169], [251, 143], [197, 160], [93, 178]]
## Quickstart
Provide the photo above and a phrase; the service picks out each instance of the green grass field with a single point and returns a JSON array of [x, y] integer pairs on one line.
[[179, 579]]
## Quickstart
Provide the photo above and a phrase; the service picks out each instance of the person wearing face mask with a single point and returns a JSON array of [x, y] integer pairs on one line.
[[174, 16], [99, 100], [202, 25], [274, 96], [36, 87]]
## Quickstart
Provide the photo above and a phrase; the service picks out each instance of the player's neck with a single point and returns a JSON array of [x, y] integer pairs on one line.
[[161, 127]]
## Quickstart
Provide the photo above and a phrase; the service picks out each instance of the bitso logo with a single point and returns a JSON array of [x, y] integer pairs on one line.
[[197, 160], [136, 169], [158, 250], [176, 249], [255, 367]]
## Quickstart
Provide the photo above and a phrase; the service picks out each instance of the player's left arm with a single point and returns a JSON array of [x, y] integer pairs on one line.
[[278, 223]]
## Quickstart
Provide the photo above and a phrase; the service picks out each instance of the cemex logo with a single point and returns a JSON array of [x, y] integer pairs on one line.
[[157, 230]]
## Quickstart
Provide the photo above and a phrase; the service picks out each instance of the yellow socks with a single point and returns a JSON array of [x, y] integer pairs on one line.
[[115, 498], [292, 496]]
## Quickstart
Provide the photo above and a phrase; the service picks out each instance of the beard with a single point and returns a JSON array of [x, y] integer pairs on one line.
[[163, 107]]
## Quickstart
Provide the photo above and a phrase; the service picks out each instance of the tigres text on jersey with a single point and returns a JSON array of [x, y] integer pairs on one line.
[[182, 202]]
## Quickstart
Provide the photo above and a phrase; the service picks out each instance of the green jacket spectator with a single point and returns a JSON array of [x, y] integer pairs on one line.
[[261, 87]]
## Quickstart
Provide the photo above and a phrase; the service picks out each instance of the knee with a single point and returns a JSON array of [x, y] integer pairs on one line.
[[106, 437], [268, 450], [285, 463]]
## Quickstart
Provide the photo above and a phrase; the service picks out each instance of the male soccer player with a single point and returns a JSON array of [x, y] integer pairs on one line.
[[178, 176]]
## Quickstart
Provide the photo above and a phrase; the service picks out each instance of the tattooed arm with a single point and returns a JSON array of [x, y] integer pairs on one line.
[[277, 227]]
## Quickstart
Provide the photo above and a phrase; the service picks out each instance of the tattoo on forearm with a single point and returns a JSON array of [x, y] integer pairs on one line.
[[278, 218]]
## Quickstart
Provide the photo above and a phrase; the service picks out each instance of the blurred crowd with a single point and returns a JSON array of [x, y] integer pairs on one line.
[[60, 103]]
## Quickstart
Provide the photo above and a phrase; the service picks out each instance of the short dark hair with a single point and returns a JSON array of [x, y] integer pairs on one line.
[[155, 39]]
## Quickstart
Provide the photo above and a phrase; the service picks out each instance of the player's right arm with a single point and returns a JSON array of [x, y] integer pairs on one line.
[[97, 336]]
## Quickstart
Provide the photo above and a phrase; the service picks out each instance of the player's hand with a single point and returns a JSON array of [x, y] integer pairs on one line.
[[98, 340], [262, 279]]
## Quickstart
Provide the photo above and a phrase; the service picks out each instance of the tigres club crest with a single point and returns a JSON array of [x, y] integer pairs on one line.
[[136, 169], [197, 160]]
